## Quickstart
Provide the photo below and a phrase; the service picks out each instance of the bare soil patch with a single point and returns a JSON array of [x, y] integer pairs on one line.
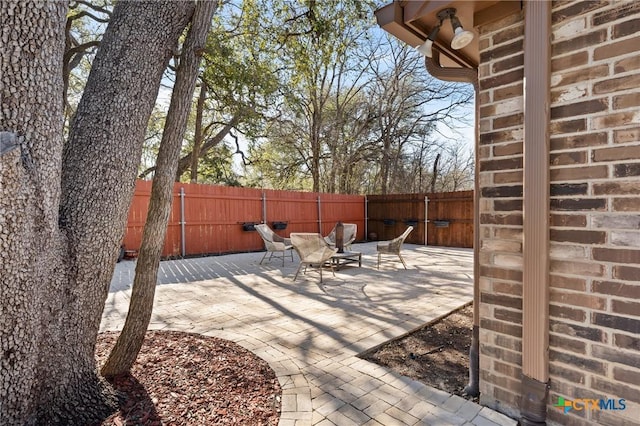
[[436, 354], [188, 379]]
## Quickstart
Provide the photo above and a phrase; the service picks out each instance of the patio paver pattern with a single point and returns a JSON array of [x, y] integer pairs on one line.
[[311, 333]]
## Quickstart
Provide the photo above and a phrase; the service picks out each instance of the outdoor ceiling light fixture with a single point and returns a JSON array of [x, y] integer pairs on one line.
[[461, 37], [425, 48]]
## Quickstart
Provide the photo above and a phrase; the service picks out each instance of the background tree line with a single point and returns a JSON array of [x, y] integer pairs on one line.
[[307, 96]]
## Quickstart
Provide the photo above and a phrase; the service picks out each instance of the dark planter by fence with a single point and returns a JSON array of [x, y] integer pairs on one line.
[[389, 221], [279, 225], [248, 226], [441, 223]]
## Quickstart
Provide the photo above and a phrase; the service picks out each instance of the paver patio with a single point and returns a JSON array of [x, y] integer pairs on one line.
[[311, 334]]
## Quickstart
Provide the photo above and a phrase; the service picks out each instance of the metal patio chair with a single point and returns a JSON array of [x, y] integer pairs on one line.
[[313, 251], [350, 231], [394, 246], [274, 243]]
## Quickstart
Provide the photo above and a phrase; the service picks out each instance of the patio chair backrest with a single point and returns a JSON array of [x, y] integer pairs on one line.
[[272, 241], [396, 243], [307, 242], [313, 251], [264, 231], [350, 232]]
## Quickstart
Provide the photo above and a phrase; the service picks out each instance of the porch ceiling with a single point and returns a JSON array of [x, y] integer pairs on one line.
[[412, 21]]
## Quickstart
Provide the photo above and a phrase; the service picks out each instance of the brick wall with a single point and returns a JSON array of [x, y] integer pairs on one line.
[[595, 210], [500, 173]]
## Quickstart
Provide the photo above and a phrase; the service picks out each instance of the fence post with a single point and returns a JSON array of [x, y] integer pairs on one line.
[[426, 218], [264, 207], [319, 216], [366, 218], [183, 244]]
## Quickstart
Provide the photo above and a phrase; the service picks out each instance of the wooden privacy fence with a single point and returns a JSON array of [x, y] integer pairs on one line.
[[448, 217], [210, 219]]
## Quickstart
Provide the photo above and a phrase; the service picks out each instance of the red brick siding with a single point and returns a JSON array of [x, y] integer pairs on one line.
[[500, 172], [595, 210]]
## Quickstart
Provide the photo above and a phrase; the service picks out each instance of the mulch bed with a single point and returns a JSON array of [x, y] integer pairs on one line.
[[437, 354], [188, 379]]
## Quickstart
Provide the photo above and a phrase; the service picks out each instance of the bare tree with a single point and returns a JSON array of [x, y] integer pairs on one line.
[[352, 123], [456, 174], [410, 103], [63, 207], [318, 42], [434, 176]]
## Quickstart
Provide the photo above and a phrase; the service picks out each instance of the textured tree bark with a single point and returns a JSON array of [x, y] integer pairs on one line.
[[30, 106], [62, 214], [128, 345]]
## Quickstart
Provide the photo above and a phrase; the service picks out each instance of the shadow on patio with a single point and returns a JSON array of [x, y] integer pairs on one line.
[[310, 333]]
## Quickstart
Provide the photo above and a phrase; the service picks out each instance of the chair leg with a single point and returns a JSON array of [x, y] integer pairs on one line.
[[298, 271], [283, 254], [379, 260], [320, 266], [402, 260], [265, 255]]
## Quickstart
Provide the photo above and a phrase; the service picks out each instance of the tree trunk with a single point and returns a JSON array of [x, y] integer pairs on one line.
[[128, 345], [314, 139], [198, 136], [62, 214], [385, 165], [30, 106], [434, 176]]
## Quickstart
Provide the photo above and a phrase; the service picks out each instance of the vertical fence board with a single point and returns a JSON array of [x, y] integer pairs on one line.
[[457, 209], [389, 216], [214, 216]]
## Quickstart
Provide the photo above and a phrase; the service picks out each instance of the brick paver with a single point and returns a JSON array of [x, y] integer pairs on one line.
[[311, 334]]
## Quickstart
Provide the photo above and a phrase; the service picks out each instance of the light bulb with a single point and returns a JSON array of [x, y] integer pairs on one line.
[[425, 48], [461, 38]]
